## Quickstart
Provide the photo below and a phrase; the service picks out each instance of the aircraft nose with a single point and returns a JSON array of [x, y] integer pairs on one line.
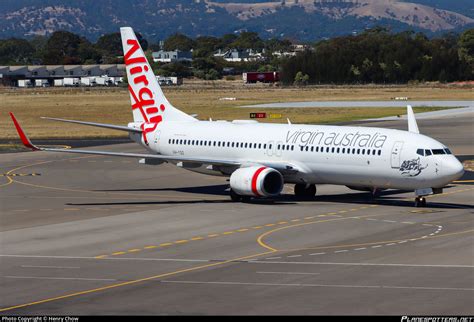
[[453, 169]]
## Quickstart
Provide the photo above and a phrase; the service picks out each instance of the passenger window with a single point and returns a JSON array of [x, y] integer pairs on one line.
[[260, 145], [358, 151], [332, 150], [292, 147], [327, 150], [420, 152], [337, 150], [380, 152], [363, 151]]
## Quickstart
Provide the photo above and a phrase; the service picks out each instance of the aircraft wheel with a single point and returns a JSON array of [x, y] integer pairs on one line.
[[234, 196], [420, 202], [245, 198], [311, 190], [299, 189], [304, 190], [423, 202]]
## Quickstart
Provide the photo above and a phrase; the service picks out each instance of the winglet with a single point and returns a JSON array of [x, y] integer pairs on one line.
[[412, 126], [26, 141]]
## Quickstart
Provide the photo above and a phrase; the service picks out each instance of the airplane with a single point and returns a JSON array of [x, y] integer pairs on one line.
[[260, 158]]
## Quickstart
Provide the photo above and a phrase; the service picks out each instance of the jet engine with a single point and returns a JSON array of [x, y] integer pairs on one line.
[[256, 182]]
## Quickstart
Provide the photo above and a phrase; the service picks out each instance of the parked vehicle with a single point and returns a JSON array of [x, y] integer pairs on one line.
[[58, 82], [25, 83], [71, 81], [41, 83], [264, 77]]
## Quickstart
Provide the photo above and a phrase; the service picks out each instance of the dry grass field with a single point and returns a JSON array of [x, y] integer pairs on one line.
[[112, 105]]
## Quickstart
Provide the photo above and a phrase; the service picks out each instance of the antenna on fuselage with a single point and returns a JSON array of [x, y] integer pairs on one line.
[[412, 126]]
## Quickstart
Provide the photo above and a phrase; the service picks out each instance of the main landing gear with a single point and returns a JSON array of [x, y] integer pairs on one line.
[[305, 190], [238, 198], [420, 202]]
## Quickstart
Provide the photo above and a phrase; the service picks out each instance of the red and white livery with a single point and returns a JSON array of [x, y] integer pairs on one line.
[[260, 158]]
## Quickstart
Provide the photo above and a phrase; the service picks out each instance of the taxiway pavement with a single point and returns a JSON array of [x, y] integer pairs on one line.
[[101, 235]]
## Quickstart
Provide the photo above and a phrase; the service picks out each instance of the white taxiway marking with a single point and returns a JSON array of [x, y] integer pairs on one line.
[[364, 264], [288, 273], [326, 285], [61, 278]]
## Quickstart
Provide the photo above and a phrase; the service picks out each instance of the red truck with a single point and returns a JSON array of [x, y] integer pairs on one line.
[[264, 77]]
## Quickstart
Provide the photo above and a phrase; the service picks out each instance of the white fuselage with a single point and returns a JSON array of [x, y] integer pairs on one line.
[[345, 155]]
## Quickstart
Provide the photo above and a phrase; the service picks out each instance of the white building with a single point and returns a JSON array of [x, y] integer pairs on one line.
[[163, 56]]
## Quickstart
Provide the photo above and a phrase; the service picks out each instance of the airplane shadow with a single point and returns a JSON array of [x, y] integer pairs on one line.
[[385, 198], [216, 190]]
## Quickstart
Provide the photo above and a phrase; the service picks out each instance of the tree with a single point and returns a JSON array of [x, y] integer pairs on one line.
[[466, 51], [247, 40], [15, 51], [205, 46], [110, 44], [178, 41], [301, 79], [62, 48]]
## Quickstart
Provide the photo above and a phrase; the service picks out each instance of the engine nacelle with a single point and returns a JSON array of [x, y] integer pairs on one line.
[[256, 182]]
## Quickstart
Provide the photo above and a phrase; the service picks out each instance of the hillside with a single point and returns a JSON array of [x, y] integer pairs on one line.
[[298, 19]]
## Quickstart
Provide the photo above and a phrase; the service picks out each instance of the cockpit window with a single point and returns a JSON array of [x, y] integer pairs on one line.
[[420, 152], [428, 152], [447, 151], [438, 151]]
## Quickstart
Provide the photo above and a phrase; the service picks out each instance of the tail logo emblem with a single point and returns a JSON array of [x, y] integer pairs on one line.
[[144, 100]]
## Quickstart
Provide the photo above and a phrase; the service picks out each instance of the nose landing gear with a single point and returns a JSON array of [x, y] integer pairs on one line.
[[420, 202]]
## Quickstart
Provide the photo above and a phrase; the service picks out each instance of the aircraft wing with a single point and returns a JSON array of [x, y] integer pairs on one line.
[[282, 167], [107, 126]]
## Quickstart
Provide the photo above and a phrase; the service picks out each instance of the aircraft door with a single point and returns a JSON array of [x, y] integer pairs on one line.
[[278, 150], [156, 140], [270, 147], [396, 154]]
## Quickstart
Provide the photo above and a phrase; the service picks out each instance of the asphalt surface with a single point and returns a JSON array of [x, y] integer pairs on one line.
[[101, 235]]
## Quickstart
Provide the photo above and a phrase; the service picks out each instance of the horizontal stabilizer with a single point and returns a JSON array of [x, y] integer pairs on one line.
[[107, 126]]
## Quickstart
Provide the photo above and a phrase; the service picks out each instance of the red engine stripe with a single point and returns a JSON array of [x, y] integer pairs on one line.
[[254, 181]]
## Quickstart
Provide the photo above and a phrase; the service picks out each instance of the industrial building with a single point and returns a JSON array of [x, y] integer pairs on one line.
[[62, 75]]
